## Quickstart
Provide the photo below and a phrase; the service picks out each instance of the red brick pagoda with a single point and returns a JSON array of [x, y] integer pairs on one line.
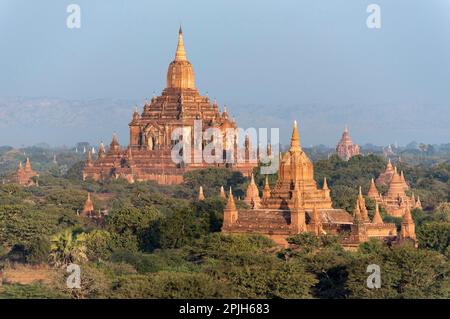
[[148, 155], [345, 148]]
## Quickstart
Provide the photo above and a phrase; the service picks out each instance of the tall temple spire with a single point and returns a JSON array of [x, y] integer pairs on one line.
[[325, 184], [230, 203], [252, 194], [28, 164], [222, 192], [315, 222], [295, 139], [180, 74], [377, 217], [201, 196], [408, 228], [266, 191], [101, 150], [89, 160], [180, 55], [88, 208], [418, 203], [357, 214], [389, 166]]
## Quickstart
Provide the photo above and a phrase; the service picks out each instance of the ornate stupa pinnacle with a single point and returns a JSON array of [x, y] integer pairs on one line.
[[325, 184], [295, 139], [222, 192], [180, 74], [101, 150], [266, 191], [180, 55], [230, 203], [28, 164], [357, 213], [201, 196], [20, 165], [407, 217], [225, 112], [252, 194], [135, 113], [88, 205], [377, 217], [115, 146], [389, 166], [418, 202], [89, 159]]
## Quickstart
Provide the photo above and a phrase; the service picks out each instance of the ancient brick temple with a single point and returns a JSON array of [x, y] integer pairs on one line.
[[148, 155], [396, 202], [385, 178], [296, 205], [24, 175], [345, 148]]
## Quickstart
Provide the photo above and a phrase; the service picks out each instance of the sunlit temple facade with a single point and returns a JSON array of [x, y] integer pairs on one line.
[[148, 155], [297, 205], [395, 201]]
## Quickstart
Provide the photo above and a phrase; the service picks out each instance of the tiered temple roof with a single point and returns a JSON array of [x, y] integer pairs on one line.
[[148, 155], [385, 178], [395, 201], [295, 204]]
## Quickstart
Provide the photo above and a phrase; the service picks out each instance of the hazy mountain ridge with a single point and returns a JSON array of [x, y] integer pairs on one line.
[[32, 120]]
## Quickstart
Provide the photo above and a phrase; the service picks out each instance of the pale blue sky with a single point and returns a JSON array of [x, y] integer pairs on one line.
[[248, 54]]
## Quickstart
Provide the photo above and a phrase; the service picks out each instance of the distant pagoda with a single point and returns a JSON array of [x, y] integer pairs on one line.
[[345, 148], [24, 175], [148, 155]]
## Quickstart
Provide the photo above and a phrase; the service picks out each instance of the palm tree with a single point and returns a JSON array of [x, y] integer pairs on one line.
[[67, 247]]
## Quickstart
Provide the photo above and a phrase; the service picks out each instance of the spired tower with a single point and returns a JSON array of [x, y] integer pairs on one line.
[[395, 201], [294, 205], [148, 155], [345, 148], [24, 175]]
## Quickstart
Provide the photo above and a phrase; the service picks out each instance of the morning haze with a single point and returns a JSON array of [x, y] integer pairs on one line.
[[313, 61]]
